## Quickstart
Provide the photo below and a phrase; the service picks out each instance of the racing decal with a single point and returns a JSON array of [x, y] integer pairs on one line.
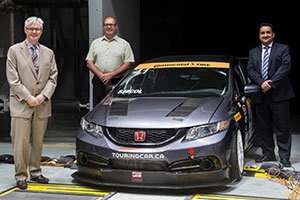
[[244, 109], [248, 102], [191, 151], [150, 156], [183, 64], [119, 108], [137, 150], [245, 117], [186, 108], [237, 116], [130, 91], [250, 117], [137, 177], [136, 174]]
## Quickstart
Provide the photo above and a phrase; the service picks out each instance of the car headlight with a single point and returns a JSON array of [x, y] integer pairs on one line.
[[91, 128], [197, 132]]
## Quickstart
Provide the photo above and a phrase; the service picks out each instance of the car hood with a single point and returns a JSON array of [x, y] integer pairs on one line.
[[154, 112]]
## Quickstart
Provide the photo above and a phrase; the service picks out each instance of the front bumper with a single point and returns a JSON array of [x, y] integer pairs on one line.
[[151, 179], [97, 165]]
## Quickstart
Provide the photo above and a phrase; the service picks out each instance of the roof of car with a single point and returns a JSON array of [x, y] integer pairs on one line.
[[220, 58]]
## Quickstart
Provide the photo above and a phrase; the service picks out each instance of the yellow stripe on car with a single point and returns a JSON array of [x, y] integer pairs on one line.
[[183, 65]]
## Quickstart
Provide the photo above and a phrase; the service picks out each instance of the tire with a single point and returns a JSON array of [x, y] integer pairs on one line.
[[237, 159]]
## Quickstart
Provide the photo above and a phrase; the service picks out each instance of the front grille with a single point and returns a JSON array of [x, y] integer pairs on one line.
[[125, 136]]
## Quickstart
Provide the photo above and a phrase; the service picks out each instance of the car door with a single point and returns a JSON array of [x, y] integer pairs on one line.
[[244, 104]]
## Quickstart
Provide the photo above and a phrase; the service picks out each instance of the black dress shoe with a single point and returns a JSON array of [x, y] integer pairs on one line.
[[265, 159], [22, 184], [286, 163], [40, 179]]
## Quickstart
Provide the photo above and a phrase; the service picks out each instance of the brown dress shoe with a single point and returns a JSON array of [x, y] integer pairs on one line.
[[40, 179], [22, 184]]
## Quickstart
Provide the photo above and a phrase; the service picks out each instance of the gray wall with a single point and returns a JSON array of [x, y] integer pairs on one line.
[[127, 14]]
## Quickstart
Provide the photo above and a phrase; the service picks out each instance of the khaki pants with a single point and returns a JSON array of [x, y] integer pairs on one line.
[[27, 136]]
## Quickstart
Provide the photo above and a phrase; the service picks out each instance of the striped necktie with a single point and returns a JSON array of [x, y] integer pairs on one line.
[[265, 65], [35, 59]]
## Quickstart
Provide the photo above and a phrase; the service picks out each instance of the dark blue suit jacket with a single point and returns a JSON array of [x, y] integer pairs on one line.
[[279, 69]]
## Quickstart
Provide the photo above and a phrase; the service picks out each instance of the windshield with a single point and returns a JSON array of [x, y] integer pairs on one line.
[[174, 82]]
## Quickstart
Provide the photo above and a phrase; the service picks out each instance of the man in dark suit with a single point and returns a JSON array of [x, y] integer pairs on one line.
[[269, 66]]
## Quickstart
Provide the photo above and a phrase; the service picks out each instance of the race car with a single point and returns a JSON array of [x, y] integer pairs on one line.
[[171, 122]]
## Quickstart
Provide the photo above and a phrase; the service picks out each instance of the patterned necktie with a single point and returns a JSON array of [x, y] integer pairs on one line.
[[265, 65], [35, 59]]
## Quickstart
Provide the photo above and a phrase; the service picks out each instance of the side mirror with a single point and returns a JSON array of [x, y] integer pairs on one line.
[[250, 90]]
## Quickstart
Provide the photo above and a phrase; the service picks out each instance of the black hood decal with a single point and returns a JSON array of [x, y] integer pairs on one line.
[[186, 108], [119, 108]]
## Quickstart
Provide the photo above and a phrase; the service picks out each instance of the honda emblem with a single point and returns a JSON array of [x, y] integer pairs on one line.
[[140, 136]]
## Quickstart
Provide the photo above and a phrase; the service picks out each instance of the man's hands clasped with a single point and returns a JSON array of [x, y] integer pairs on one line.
[[106, 77], [35, 101], [265, 87]]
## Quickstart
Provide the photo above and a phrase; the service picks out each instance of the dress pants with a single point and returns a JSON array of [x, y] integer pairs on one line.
[[99, 91], [27, 139], [274, 117]]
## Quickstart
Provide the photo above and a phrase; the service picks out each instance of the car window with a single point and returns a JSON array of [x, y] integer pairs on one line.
[[174, 82], [240, 80]]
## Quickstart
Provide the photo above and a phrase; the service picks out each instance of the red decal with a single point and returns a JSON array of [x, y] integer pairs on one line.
[[137, 177], [137, 180], [136, 174], [127, 149], [191, 151]]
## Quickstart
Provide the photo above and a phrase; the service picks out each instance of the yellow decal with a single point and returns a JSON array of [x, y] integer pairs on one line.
[[237, 116], [248, 102], [183, 65]]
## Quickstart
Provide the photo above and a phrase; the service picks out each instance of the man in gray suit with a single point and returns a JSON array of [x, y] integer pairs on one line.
[[32, 75]]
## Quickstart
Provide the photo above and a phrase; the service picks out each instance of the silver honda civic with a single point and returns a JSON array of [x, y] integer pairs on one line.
[[171, 122]]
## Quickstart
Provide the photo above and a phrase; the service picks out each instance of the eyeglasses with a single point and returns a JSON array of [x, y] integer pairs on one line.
[[109, 24], [34, 29]]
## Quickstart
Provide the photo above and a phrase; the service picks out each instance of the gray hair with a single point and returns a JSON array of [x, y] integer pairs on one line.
[[33, 19]]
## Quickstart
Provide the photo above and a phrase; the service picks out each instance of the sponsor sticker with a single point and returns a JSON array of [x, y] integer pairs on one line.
[[137, 177], [248, 102], [183, 65], [147, 156], [237, 116], [129, 91]]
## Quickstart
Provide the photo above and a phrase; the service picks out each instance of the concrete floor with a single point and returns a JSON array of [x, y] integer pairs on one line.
[[56, 145]]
